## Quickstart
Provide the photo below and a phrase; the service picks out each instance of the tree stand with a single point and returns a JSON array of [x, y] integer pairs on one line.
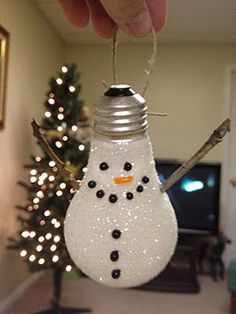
[[56, 307]]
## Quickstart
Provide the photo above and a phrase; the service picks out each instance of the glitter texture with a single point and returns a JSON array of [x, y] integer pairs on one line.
[[145, 225]]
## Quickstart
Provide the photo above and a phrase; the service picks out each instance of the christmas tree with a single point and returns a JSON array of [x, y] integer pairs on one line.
[[40, 239]]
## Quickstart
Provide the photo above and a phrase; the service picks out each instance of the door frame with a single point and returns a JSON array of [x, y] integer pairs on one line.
[[225, 174]]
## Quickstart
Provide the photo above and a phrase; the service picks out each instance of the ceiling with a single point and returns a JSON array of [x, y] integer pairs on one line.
[[189, 21]]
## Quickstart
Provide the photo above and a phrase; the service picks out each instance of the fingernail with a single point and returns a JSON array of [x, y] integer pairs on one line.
[[141, 24]]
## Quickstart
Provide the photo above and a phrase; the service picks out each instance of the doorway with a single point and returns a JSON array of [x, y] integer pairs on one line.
[[228, 208]]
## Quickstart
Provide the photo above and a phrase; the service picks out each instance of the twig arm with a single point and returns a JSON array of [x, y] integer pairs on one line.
[[158, 114], [214, 139], [233, 181], [47, 149]]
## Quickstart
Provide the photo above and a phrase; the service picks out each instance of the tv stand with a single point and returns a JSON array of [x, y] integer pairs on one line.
[[180, 274]]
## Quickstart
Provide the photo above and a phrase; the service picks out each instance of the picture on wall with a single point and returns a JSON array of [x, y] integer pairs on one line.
[[4, 47]]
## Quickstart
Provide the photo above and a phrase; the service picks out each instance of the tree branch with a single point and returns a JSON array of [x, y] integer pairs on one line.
[[213, 140], [47, 149]]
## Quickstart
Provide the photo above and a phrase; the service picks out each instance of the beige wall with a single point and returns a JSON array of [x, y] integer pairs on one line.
[[35, 55], [188, 85]]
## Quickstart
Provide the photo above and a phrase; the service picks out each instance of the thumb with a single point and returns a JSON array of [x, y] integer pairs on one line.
[[132, 16]]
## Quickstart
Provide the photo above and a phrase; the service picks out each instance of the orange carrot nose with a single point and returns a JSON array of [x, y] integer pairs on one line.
[[122, 180]]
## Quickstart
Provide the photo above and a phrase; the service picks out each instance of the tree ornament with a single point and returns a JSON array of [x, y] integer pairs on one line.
[[51, 134], [85, 114], [120, 228]]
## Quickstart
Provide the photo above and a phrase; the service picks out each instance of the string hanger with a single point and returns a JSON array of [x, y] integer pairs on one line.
[[114, 54], [151, 65], [151, 62]]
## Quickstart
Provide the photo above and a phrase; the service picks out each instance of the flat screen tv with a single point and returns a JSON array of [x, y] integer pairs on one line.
[[195, 197]]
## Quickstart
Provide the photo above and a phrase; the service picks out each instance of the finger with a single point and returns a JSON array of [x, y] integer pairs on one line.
[[102, 22], [157, 9], [76, 11], [132, 16]]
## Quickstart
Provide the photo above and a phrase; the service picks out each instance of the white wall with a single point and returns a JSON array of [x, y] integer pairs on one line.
[[188, 85], [36, 52]]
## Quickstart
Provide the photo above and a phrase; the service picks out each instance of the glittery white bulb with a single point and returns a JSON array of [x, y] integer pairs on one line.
[[120, 228]]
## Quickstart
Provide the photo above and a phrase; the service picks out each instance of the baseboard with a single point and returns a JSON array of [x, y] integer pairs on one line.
[[19, 291]]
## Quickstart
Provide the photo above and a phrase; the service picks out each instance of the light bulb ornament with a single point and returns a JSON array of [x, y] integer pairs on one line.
[[120, 228], [214, 139]]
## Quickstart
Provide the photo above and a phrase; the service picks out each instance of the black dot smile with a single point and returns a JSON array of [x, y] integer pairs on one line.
[[139, 188], [100, 193], [92, 184], [113, 198], [129, 195], [145, 179]]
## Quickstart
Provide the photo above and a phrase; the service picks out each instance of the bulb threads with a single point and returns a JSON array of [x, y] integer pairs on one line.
[[122, 115]]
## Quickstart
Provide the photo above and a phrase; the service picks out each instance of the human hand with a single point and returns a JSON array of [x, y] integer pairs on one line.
[[135, 17]]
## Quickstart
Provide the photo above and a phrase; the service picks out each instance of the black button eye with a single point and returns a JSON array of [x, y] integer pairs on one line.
[[127, 166], [103, 166]]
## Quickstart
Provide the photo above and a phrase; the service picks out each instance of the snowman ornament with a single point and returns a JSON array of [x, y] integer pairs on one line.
[[120, 228]]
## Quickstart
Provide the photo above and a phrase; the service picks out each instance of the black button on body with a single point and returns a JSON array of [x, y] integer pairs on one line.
[[145, 179], [114, 256], [112, 198], [127, 166], [103, 166], [129, 195], [92, 184], [115, 273], [116, 234], [100, 193], [139, 189]]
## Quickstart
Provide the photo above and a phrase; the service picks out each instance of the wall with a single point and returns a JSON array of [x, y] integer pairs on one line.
[[36, 52], [188, 85]]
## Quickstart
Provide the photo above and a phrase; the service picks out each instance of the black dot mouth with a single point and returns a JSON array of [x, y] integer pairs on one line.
[[113, 198], [100, 193], [145, 179], [92, 184], [129, 195], [139, 188]]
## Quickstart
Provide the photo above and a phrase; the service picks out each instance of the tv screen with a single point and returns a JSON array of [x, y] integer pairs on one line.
[[195, 197]]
